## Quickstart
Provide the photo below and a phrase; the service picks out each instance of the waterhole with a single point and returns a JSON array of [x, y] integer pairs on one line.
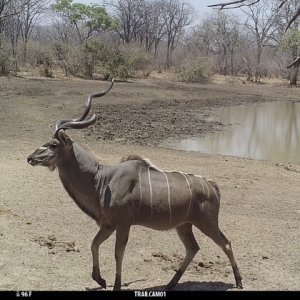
[[268, 131]]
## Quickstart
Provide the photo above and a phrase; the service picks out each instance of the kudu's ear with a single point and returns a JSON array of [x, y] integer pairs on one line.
[[64, 139]]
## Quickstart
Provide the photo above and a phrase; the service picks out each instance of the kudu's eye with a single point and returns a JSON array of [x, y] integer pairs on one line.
[[53, 146]]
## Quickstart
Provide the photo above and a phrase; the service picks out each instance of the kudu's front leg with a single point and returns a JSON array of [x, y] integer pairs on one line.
[[104, 233], [122, 233]]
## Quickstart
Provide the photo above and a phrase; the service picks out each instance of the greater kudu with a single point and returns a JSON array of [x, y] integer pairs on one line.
[[134, 192]]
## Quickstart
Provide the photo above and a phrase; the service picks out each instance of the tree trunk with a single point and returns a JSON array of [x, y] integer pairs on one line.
[[231, 63], [224, 60], [294, 75], [25, 51], [88, 62], [294, 71], [257, 67], [169, 55]]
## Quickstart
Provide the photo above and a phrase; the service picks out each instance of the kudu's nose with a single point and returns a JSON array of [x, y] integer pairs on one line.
[[29, 159]]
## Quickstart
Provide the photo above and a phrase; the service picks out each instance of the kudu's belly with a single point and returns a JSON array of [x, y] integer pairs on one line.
[[161, 214]]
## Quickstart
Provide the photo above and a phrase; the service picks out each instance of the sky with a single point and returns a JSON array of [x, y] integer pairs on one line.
[[201, 6]]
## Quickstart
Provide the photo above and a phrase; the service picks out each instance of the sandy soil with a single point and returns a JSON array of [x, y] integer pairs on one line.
[[44, 237]]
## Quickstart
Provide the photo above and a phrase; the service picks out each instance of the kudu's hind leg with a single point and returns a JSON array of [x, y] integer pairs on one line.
[[186, 235], [122, 233], [220, 239], [103, 234]]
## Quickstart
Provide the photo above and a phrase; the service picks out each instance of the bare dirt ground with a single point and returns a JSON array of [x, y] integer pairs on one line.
[[44, 237]]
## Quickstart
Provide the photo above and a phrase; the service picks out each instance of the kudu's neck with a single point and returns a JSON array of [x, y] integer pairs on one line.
[[78, 167], [78, 172]]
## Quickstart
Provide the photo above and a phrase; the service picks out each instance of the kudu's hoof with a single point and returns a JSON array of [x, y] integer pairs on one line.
[[170, 286], [239, 285], [100, 281]]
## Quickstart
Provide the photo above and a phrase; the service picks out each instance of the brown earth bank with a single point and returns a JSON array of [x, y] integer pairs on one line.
[[45, 239]]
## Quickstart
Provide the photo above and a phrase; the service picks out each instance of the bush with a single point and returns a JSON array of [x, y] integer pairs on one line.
[[191, 72], [136, 60], [110, 61], [68, 58], [4, 62], [45, 59], [98, 57]]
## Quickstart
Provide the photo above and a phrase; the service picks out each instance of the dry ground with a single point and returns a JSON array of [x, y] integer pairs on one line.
[[44, 237]]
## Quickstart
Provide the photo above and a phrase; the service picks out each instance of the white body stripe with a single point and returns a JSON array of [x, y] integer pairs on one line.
[[213, 189], [202, 180], [169, 196], [197, 176], [141, 191], [186, 176], [150, 189], [206, 185]]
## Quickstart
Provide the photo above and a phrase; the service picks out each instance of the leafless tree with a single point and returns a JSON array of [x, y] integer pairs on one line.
[[201, 37], [17, 20], [130, 14], [218, 35], [151, 21], [28, 17], [226, 36], [12, 28], [62, 30], [9, 8], [261, 21], [290, 41], [241, 3], [63, 35], [153, 27], [177, 15], [5, 8]]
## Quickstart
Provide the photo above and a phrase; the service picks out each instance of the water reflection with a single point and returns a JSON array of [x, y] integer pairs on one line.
[[267, 131]]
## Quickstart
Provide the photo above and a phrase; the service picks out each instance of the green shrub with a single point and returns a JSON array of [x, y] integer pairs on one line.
[[98, 57], [110, 61], [191, 72]]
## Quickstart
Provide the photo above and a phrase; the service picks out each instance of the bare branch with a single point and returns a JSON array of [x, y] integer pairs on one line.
[[16, 8], [282, 3], [296, 15], [243, 5], [296, 62], [240, 2]]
